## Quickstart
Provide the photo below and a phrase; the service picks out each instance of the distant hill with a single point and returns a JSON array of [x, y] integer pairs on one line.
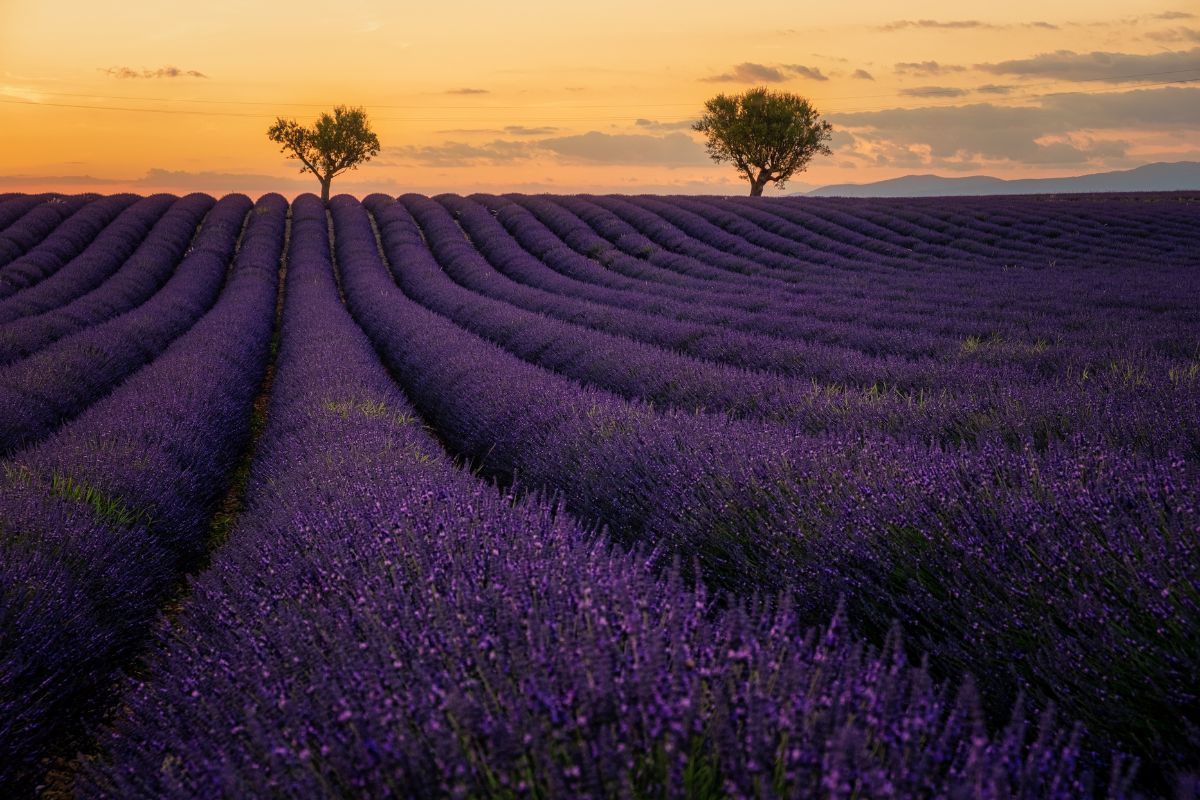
[[1160, 177]]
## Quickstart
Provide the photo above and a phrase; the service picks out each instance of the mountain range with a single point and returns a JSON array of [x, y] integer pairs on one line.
[[1159, 177]]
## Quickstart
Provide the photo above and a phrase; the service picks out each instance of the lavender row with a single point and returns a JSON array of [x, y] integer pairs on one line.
[[733, 227], [34, 226], [832, 294], [1011, 286], [65, 243], [711, 332], [138, 278], [608, 358], [815, 311], [968, 548], [94, 265], [382, 624], [1024, 292], [17, 206], [41, 392], [1080, 225], [524, 250], [102, 520], [970, 231], [1037, 413]]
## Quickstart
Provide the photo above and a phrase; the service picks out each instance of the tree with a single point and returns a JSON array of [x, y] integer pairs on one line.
[[332, 146], [769, 136]]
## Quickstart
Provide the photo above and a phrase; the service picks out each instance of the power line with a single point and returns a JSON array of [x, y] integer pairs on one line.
[[475, 107], [564, 119]]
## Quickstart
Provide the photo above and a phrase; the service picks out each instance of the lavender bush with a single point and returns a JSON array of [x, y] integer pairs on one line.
[[381, 624], [102, 519]]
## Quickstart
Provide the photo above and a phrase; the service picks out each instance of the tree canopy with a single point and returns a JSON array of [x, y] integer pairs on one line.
[[332, 146], [769, 136]]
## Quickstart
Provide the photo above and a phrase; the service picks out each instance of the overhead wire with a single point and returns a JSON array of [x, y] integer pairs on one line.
[[551, 116]]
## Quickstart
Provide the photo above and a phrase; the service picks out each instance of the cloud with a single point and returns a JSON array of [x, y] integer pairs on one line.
[[211, 182], [521, 130], [812, 73], [655, 125], [510, 130], [1068, 65], [748, 72], [1175, 35], [458, 154], [925, 68], [1173, 15], [933, 91], [995, 88], [902, 24], [54, 180], [161, 72], [862, 74], [674, 149], [468, 90], [593, 147], [1049, 26], [1169, 107], [1057, 130]]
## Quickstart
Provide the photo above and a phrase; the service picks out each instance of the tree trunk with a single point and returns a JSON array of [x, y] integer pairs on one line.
[[325, 188], [758, 184]]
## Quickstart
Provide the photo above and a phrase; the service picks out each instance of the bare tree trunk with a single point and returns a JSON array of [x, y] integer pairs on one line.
[[758, 184], [328, 179]]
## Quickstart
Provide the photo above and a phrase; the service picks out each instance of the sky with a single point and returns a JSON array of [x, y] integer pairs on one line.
[[548, 96]]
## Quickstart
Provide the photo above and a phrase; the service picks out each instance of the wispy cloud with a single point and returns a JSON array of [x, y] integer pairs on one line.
[[458, 154], [1058, 129], [995, 88], [1178, 34], [862, 74], [1173, 15], [593, 147], [933, 91], [162, 72], [674, 149], [468, 90], [926, 68], [958, 24], [812, 73], [655, 125], [521, 130], [749, 72], [7, 90], [1068, 65]]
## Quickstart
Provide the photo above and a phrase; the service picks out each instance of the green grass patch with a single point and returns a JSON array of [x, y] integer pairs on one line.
[[107, 507]]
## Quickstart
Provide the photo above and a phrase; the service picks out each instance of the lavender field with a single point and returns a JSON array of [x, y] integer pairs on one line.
[[599, 496]]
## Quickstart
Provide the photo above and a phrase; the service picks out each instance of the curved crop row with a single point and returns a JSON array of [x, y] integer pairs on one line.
[[101, 258], [65, 243], [18, 205], [33, 227], [138, 278], [1041, 412], [710, 332], [40, 393], [382, 624], [102, 520], [965, 547]]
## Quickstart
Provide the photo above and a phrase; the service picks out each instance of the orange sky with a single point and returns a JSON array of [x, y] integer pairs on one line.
[[533, 95]]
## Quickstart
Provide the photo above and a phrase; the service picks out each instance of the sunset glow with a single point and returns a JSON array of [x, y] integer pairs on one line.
[[547, 96]]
